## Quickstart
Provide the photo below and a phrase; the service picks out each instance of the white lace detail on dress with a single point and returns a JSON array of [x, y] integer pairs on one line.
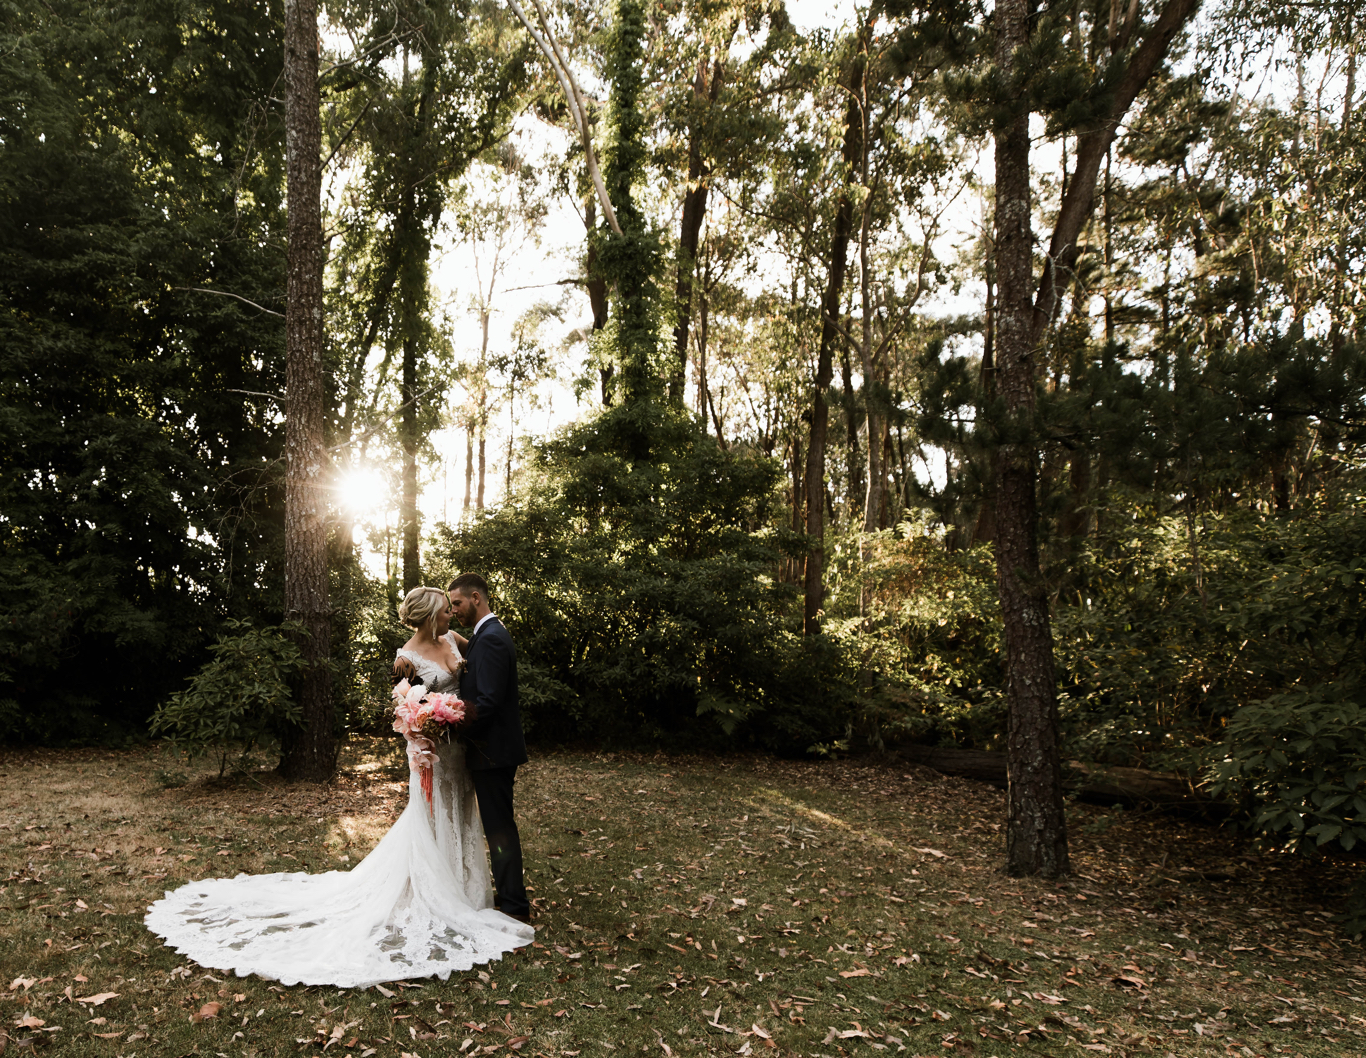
[[420, 904], [434, 677]]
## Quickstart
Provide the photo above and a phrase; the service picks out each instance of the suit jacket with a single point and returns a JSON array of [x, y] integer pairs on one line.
[[488, 686]]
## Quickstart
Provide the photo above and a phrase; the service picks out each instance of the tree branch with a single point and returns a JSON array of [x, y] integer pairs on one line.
[[1091, 148], [257, 393], [230, 294], [550, 48], [342, 142]]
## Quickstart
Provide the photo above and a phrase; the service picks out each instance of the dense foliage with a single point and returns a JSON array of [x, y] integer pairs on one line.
[[136, 485], [240, 699], [645, 598]]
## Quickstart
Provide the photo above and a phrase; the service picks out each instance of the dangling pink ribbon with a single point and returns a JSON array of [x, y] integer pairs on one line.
[[422, 756]]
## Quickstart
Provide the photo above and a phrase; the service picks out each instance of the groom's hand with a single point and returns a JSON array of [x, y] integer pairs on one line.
[[404, 669]]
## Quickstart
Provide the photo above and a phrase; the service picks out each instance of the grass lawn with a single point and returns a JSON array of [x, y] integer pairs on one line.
[[686, 906]]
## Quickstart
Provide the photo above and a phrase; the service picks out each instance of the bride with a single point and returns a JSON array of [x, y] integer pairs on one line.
[[420, 904]]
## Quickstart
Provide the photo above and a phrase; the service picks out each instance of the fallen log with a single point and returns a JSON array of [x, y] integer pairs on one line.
[[1091, 782]]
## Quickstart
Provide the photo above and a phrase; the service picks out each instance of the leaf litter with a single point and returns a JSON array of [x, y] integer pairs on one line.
[[689, 905]]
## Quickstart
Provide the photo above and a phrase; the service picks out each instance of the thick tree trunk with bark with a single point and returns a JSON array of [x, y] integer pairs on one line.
[[310, 751], [1036, 837], [1036, 834], [984, 527], [814, 578]]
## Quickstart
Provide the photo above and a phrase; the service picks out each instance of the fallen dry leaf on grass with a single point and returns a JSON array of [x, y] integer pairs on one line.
[[208, 1010], [28, 1021], [98, 999]]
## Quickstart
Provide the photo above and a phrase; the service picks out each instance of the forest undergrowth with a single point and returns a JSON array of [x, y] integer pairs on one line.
[[686, 905]]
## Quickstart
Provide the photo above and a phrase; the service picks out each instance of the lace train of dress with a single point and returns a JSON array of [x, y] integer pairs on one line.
[[420, 904]]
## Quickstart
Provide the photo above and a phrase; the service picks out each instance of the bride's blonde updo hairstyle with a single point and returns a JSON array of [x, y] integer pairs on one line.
[[421, 605]]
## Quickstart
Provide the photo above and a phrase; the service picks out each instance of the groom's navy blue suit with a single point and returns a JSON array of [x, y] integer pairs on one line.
[[494, 747]]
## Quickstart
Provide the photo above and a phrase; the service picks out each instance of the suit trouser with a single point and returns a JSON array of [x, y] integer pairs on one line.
[[493, 788]]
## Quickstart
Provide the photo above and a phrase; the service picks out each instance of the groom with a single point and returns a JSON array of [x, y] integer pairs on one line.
[[494, 744]]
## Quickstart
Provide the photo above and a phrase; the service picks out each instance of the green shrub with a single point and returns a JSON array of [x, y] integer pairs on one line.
[[241, 698], [1295, 755], [925, 623], [642, 590], [1298, 760]]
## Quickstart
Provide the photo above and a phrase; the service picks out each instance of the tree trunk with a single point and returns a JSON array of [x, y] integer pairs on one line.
[[1075, 518], [689, 228], [469, 465], [479, 496], [310, 751], [703, 322], [410, 249], [596, 287], [1140, 787], [814, 579], [1093, 146], [717, 424], [1036, 834], [853, 457], [874, 498], [984, 527], [795, 464], [408, 427]]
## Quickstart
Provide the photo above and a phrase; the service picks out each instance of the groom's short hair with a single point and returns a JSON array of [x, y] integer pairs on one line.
[[470, 582]]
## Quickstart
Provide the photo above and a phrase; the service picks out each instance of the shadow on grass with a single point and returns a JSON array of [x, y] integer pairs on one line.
[[686, 905]]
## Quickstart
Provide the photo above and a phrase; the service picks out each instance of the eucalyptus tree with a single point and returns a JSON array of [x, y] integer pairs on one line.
[[430, 89], [909, 174], [844, 170], [498, 218], [714, 62]]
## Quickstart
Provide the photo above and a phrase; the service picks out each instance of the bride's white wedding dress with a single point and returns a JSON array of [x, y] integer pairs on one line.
[[420, 904]]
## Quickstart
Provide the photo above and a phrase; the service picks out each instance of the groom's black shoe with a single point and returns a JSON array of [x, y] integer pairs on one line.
[[524, 919]]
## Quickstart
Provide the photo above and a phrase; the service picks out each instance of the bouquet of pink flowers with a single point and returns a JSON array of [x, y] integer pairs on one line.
[[422, 718]]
